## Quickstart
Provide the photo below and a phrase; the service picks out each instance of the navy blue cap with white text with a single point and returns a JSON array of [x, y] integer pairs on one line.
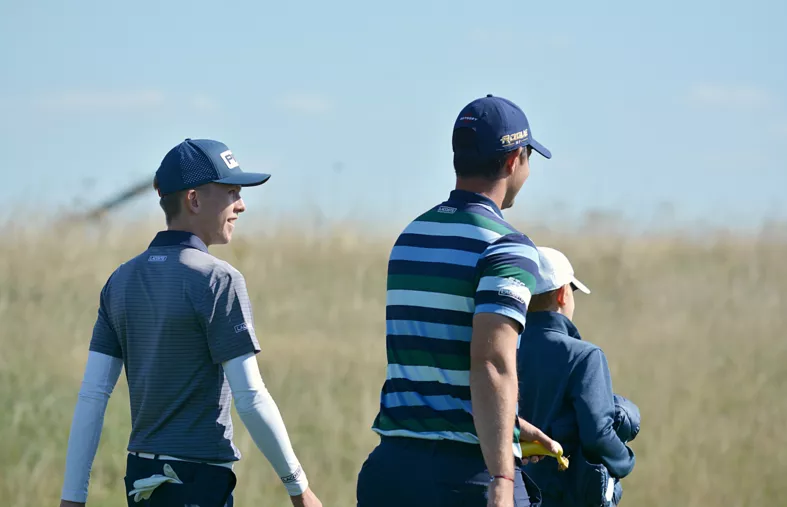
[[195, 162], [500, 126]]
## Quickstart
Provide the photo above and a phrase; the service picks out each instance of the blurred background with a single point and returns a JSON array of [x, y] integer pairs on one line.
[[667, 122]]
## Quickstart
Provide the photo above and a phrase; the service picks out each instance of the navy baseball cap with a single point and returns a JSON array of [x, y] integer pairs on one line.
[[500, 126], [195, 162]]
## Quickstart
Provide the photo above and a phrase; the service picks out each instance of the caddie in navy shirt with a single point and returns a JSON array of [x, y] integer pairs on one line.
[[566, 390], [180, 322]]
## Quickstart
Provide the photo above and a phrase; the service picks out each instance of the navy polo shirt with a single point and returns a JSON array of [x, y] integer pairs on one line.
[[173, 314]]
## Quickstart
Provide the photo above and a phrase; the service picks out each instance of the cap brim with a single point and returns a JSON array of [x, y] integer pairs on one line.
[[245, 179], [579, 285], [540, 148]]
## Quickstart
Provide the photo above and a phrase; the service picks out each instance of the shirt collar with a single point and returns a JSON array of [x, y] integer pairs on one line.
[[552, 321], [468, 197], [178, 238]]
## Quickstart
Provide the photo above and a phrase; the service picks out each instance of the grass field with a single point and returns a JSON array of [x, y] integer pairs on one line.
[[693, 332]]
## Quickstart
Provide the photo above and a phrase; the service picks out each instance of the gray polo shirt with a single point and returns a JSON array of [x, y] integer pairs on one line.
[[173, 314]]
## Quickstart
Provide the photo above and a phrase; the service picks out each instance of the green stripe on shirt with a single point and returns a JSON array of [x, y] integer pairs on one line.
[[462, 217], [431, 284], [508, 271], [443, 361]]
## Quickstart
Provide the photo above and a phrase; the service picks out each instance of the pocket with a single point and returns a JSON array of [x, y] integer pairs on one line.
[[467, 494], [165, 494], [211, 487], [588, 483]]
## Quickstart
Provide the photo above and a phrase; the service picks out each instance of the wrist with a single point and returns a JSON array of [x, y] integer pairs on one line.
[[502, 477], [296, 483]]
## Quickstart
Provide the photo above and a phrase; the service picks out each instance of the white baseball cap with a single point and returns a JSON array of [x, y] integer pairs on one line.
[[555, 271]]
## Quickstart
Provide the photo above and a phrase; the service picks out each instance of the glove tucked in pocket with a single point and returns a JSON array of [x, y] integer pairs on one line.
[[143, 488]]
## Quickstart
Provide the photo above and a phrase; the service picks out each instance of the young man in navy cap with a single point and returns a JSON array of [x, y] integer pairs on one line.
[[179, 320], [566, 389], [459, 282]]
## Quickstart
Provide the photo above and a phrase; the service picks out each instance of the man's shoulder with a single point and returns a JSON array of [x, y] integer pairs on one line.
[[555, 339], [208, 265], [459, 219], [514, 238]]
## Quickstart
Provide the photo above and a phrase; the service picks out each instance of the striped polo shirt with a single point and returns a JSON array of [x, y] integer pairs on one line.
[[173, 314], [458, 259]]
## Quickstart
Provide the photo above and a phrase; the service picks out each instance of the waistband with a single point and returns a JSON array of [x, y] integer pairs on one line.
[[164, 457], [440, 446]]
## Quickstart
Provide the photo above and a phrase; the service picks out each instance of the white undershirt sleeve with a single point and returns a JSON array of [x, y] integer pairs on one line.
[[101, 375], [262, 418]]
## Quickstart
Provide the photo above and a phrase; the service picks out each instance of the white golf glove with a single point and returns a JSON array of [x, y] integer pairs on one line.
[[143, 488]]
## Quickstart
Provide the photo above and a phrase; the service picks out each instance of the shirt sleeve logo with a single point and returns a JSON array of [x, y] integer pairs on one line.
[[515, 289], [242, 327], [157, 258]]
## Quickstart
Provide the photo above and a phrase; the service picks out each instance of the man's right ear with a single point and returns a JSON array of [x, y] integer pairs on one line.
[[192, 201], [562, 295], [513, 156]]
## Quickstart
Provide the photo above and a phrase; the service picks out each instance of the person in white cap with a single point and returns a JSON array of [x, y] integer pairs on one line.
[[565, 389]]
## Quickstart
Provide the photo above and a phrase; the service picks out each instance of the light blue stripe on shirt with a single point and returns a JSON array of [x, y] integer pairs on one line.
[[411, 399], [459, 230], [434, 300], [495, 283], [444, 255], [526, 251], [468, 438], [429, 374], [429, 330]]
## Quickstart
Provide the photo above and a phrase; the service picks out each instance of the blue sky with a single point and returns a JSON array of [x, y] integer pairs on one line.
[[350, 104]]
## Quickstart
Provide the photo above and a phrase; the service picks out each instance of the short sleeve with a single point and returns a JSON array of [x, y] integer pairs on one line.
[[227, 317], [104, 339], [506, 273]]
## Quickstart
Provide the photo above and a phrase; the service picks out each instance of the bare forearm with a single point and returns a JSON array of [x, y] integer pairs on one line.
[[493, 390]]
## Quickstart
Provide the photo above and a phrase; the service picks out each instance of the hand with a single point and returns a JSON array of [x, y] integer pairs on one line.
[[501, 493], [307, 499], [529, 433], [66, 503]]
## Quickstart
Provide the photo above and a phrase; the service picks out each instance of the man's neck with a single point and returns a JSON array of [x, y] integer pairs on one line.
[[185, 226], [494, 190], [555, 309]]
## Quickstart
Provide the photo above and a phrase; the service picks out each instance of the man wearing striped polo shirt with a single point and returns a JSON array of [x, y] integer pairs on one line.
[[179, 320], [459, 281]]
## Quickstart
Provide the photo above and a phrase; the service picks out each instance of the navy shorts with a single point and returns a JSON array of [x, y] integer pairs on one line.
[[432, 473], [203, 484]]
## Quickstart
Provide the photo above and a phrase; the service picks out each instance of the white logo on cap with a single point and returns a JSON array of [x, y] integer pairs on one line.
[[514, 138], [228, 159]]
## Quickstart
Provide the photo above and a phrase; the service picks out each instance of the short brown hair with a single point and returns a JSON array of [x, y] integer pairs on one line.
[[466, 165], [543, 302], [170, 203]]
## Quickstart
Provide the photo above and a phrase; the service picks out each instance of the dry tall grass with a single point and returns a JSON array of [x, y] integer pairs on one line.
[[693, 332]]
